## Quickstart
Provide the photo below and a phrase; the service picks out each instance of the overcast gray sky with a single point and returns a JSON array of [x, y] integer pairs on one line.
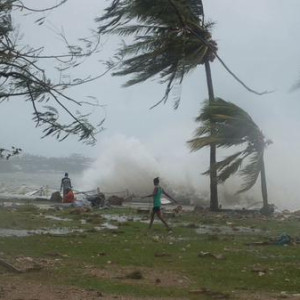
[[259, 41]]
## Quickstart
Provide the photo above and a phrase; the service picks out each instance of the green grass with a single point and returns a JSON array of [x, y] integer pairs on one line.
[[269, 268]]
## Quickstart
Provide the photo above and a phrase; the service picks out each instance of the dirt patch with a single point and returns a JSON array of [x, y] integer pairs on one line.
[[265, 296], [24, 264], [149, 276], [21, 290]]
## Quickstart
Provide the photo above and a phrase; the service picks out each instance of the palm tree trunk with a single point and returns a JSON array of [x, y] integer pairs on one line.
[[214, 203], [264, 190]]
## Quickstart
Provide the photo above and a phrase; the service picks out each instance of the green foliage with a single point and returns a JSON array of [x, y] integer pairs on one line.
[[225, 124], [170, 39], [22, 76]]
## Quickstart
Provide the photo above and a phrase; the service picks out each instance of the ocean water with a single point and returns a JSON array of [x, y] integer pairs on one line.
[[20, 183]]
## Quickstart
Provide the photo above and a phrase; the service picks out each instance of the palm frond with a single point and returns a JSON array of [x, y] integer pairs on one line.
[[229, 170], [231, 121], [227, 161], [202, 130], [227, 166], [137, 29], [251, 172], [162, 45], [201, 142]]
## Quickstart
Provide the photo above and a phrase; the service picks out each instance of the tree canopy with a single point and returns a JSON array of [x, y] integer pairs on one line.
[[170, 39], [22, 76]]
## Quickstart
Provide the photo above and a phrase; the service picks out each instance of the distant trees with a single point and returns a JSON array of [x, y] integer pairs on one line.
[[233, 127], [27, 163], [22, 76]]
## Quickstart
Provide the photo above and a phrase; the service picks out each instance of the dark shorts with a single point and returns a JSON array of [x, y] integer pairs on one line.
[[156, 209]]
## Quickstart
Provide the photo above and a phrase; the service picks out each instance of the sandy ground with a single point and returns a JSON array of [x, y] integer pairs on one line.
[[17, 289], [13, 286]]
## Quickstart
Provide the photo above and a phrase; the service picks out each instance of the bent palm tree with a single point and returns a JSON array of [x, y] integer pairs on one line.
[[170, 40], [233, 127]]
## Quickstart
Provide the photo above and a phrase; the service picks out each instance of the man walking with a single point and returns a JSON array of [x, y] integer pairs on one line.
[[157, 193]]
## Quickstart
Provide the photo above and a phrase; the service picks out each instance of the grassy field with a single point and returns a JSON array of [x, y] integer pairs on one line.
[[221, 255]]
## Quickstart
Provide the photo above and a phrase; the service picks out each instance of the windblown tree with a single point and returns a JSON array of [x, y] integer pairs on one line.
[[233, 127], [170, 38], [23, 77]]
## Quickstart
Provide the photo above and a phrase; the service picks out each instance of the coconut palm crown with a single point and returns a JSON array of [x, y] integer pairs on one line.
[[232, 127], [170, 38]]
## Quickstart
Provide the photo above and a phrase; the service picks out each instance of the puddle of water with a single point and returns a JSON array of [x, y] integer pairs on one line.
[[117, 218], [23, 233], [122, 219], [13, 232], [106, 226], [57, 218], [13, 204], [39, 205]]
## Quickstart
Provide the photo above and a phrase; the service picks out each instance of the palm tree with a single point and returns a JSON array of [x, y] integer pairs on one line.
[[233, 127], [170, 39]]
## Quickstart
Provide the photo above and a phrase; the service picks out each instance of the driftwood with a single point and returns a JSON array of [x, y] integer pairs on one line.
[[9, 266]]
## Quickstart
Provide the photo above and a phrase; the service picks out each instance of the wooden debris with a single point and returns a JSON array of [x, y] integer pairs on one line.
[[9, 266]]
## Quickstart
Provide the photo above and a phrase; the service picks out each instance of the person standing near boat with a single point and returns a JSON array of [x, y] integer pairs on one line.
[[65, 184]]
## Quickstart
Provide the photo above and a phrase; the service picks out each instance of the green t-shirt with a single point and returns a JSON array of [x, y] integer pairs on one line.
[[157, 197]]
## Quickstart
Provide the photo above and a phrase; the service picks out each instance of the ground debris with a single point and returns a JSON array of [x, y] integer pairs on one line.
[[283, 240], [209, 254], [259, 270], [80, 210], [163, 254], [54, 254], [22, 265], [212, 294], [144, 276], [192, 225], [135, 275], [262, 243], [9, 266], [115, 200]]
